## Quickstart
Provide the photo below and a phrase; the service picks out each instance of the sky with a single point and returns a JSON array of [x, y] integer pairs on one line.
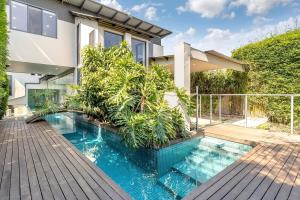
[[221, 25]]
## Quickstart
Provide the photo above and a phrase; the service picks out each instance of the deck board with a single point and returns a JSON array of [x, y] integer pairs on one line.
[[37, 163], [272, 172]]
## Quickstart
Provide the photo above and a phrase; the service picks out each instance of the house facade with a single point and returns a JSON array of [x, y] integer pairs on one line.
[[46, 38]]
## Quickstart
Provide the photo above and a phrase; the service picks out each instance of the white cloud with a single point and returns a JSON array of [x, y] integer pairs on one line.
[[224, 40], [259, 7], [139, 7], [229, 15], [112, 3], [149, 10], [258, 21], [151, 13], [191, 31], [206, 8]]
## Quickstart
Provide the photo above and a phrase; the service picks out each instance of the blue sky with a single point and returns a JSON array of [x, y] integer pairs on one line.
[[222, 25]]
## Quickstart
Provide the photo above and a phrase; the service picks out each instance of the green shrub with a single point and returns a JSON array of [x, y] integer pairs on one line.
[[3, 59], [123, 92], [274, 67]]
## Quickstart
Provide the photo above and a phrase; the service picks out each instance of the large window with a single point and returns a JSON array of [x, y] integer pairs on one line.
[[19, 16], [112, 39], [33, 20], [139, 51]]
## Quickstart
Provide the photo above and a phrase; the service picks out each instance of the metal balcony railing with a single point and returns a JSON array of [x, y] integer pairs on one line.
[[245, 107]]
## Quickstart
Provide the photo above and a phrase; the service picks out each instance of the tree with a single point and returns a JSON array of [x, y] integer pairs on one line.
[[117, 89]]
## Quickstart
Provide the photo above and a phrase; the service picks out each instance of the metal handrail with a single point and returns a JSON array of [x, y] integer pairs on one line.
[[199, 97]]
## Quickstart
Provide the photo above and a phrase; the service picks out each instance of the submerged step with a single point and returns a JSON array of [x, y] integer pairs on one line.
[[197, 173], [177, 183], [230, 147]]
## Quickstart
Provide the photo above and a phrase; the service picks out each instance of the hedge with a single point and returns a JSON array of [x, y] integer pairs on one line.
[[273, 67], [3, 59]]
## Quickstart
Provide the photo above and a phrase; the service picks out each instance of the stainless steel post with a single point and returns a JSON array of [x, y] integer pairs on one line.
[[220, 108], [292, 114], [197, 107], [210, 109], [246, 111]]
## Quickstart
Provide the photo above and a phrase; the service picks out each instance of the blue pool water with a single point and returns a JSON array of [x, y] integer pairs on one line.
[[168, 173]]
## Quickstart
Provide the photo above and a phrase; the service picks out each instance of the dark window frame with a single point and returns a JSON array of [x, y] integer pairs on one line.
[[145, 49], [10, 85], [30, 5], [106, 31]]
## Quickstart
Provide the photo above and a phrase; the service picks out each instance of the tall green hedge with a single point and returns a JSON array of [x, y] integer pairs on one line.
[[3, 59], [273, 67]]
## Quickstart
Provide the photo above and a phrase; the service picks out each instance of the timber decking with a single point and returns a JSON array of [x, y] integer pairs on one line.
[[269, 171], [38, 163]]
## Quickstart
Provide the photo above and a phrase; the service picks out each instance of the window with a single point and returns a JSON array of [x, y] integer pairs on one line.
[[49, 24], [92, 38], [139, 50], [112, 39], [18, 16], [10, 85], [33, 20]]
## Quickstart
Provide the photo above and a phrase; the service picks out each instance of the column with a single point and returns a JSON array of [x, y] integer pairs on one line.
[[182, 66]]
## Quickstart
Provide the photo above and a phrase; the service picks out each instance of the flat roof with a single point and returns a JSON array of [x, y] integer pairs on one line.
[[110, 15], [218, 54]]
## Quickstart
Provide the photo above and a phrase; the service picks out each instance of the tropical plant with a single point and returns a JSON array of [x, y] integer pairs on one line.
[[4, 89], [117, 89]]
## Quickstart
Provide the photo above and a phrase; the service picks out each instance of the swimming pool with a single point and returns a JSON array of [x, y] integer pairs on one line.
[[168, 173]]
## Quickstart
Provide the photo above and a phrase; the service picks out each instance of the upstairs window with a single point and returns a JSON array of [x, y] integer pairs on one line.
[[49, 24], [33, 20], [19, 16], [139, 51], [112, 39]]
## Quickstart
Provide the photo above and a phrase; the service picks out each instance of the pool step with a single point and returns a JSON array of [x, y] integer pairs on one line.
[[224, 145], [209, 150], [214, 165], [200, 174], [178, 184]]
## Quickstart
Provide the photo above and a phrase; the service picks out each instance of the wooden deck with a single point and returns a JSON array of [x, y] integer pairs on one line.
[[37, 163], [269, 171]]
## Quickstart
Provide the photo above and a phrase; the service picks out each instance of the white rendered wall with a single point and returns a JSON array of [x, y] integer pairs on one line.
[[173, 101], [18, 83], [158, 50], [182, 66], [32, 48]]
